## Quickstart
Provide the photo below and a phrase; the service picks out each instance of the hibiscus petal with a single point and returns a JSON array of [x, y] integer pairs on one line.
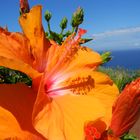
[[76, 111], [107, 94], [71, 56], [15, 45], [86, 57], [16, 104], [63, 117], [6, 120], [15, 53], [31, 24], [10, 129], [126, 110], [19, 65], [81, 81]]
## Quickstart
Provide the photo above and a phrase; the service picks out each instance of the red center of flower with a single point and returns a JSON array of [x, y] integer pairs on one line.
[[92, 133]]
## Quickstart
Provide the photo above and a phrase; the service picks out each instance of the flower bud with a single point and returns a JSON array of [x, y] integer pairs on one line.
[[24, 6], [63, 23], [126, 109], [77, 17], [48, 16], [106, 56]]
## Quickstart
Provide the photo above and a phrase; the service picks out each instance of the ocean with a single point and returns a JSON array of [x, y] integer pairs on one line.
[[129, 59]]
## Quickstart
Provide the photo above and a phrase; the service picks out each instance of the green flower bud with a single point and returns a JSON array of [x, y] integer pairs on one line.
[[48, 16], [77, 17], [63, 23], [106, 56]]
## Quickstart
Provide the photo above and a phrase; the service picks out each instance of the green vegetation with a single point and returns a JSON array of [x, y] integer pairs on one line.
[[129, 136], [120, 76], [12, 76], [76, 20]]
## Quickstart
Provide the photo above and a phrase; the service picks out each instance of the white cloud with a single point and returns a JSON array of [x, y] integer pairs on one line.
[[118, 32], [121, 39]]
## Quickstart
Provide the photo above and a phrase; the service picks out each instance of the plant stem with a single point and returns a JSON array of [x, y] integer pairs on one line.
[[62, 30], [49, 28], [76, 29]]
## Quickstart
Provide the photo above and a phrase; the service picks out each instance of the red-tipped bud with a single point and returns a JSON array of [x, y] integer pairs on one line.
[[126, 109], [24, 6]]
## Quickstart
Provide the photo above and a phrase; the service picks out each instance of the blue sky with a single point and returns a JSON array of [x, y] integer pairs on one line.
[[114, 24]]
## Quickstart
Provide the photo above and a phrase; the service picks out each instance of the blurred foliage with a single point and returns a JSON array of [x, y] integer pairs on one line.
[[120, 76], [11, 77], [129, 136]]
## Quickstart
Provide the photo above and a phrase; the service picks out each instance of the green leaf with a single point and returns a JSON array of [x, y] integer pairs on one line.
[[85, 40]]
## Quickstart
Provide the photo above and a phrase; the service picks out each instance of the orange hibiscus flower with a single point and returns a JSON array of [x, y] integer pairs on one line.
[[67, 90]]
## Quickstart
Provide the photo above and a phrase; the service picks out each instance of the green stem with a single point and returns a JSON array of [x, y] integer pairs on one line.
[[76, 29], [49, 28], [73, 28], [62, 31]]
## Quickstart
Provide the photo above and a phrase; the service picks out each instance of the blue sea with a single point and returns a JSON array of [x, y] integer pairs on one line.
[[129, 59]]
